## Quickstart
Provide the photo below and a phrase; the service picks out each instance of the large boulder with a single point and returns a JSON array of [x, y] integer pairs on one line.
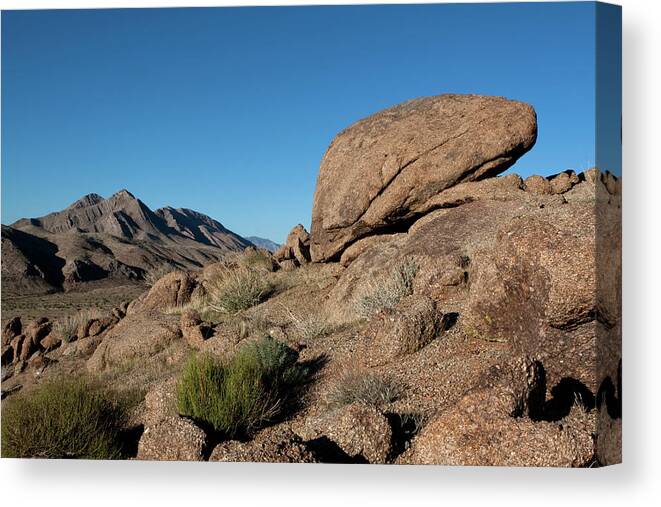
[[536, 289], [135, 338], [481, 430], [24, 345], [173, 290], [38, 329], [384, 170]]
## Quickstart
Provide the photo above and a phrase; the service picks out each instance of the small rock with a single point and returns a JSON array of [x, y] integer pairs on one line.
[[11, 330], [563, 182], [98, 326], [360, 430], [160, 402], [194, 331], [538, 185], [38, 329], [86, 346], [38, 363], [172, 439], [51, 341], [405, 329], [296, 248], [271, 445]]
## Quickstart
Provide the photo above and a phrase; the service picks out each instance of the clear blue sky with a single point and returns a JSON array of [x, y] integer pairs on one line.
[[228, 111]]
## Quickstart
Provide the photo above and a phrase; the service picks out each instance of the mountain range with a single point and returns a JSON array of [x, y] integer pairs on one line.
[[117, 238], [264, 243]]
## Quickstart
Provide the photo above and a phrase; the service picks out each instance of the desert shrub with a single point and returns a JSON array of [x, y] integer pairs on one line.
[[236, 288], [237, 396], [156, 273], [67, 327], [311, 326], [65, 418], [362, 386], [257, 259], [387, 291]]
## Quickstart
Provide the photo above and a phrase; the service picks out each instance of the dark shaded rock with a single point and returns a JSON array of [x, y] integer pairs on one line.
[[11, 330]]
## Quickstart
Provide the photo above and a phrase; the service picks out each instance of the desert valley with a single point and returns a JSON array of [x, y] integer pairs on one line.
[[437, 311]]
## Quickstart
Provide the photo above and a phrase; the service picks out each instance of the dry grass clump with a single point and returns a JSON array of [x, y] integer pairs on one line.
[[387, 291], [155, 274], [257, 259], [65, 418], [362, 386], [239, 395], [315, 325], [236, 288], [67, 327]]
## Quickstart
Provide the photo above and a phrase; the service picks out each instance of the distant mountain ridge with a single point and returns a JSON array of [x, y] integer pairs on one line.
[[264, 243], [96, 238]]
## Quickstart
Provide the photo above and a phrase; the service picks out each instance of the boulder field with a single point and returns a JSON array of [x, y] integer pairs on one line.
[[451, 315]]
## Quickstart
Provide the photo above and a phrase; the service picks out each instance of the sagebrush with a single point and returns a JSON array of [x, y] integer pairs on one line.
[[364, 387], [313, 325], [65, 418], [238, 395], [387, 291], [236, 288]]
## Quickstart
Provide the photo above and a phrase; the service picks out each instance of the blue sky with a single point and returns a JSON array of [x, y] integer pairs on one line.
[[228, 111]]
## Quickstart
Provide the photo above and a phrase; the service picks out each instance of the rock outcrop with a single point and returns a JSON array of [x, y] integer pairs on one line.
[[135, 338], [480, 430], [173, 290], [383, 171], [472, 319], [296, 250]]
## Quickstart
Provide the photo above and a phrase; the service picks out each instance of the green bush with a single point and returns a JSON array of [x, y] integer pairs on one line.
[[387, 291], [364, 387], [237, 288], [236, 396], [67, 418]]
